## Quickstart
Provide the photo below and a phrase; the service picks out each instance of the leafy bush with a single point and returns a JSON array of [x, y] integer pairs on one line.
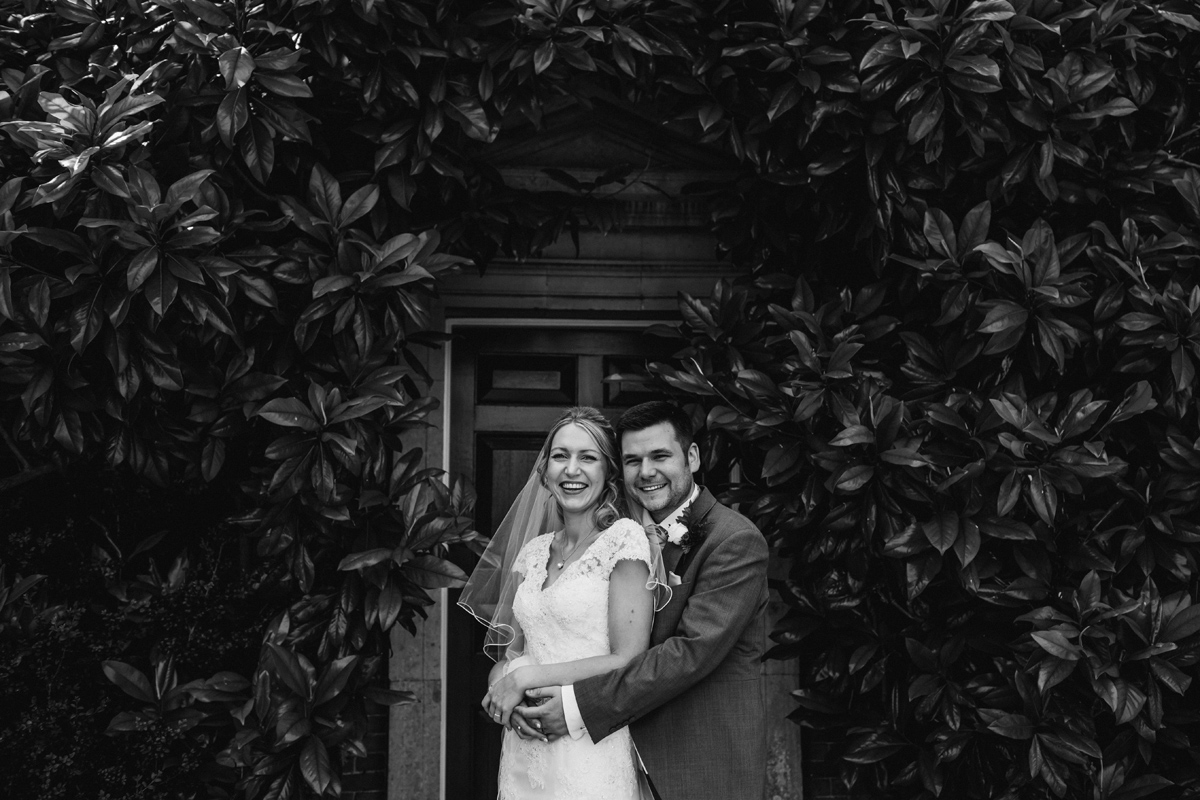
[[206, 284], [973, 431], [80, 542]]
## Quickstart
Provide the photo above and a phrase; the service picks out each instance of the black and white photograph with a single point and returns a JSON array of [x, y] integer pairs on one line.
[[599, 399]]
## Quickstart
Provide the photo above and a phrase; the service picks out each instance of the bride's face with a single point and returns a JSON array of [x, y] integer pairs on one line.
[[575, 472]]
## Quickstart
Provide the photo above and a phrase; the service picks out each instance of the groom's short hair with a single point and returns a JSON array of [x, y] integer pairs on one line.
[[647, 415]]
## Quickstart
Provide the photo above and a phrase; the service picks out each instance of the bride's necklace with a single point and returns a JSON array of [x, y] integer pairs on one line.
[[565, 555]]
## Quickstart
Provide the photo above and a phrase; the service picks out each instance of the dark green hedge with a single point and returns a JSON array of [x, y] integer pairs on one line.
[[959, 381], [197, 612], [213, 295], [956, 379]]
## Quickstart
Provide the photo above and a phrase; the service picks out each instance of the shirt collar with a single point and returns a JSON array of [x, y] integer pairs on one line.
[[672, 520]]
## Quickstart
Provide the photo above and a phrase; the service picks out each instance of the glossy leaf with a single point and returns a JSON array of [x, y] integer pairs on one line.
[[130, 680]]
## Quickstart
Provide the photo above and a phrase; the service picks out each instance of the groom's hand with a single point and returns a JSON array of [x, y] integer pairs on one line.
[[548, 717]]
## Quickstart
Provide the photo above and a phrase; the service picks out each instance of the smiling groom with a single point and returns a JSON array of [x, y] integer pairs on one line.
[[694, 700]]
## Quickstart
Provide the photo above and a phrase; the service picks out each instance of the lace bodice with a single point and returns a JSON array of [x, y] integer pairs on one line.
[[569, 619]]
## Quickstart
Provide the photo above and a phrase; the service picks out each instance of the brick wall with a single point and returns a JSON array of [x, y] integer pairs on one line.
[[366, 778], [822, 772]]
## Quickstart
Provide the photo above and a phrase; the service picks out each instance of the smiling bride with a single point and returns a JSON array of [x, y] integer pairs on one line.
[[565, 588]]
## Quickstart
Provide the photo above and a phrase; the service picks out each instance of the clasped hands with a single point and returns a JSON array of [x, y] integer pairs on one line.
[[532, 712]]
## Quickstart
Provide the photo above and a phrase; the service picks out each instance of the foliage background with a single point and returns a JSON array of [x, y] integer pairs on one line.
[[957, 375]]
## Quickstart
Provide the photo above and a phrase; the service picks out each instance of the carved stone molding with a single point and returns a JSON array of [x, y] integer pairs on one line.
[[584, 285], [586, 142]]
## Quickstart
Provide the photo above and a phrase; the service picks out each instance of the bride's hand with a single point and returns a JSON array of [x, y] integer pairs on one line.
[[505, 695]]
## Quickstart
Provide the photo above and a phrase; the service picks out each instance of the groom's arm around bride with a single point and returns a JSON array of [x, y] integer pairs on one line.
[[694, 700]]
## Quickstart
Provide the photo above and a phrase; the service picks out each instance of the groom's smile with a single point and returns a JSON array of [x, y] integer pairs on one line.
[[647, 495], [658, 473]]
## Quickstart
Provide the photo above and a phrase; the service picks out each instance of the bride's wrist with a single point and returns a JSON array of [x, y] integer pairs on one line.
[[522, 678], [497, 675]]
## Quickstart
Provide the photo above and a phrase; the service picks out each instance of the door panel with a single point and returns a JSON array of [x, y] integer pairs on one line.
[[503, 463], [507, 388]]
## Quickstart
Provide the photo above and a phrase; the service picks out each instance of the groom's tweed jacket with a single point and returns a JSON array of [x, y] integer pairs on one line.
[[694, 700]]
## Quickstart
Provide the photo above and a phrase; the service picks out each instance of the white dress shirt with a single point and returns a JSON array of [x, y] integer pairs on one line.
[[574, 719]]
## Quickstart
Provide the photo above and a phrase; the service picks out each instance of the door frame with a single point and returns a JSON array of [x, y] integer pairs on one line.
[[449, 325]]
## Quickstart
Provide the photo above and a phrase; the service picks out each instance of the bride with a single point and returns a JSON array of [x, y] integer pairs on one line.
[[566, 592]]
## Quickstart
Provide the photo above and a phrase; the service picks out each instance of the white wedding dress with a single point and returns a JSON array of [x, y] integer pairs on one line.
[[565, 622]]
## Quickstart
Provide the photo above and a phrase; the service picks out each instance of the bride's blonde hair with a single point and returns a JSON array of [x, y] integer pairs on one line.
[[609, 508]]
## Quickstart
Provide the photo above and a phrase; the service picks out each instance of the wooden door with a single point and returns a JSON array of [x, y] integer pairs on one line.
[[507, 388]]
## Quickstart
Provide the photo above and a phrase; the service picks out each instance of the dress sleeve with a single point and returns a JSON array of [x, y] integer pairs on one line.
[[625, 540]]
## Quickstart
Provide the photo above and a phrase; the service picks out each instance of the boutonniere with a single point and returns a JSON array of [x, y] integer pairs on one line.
[[688, 531]]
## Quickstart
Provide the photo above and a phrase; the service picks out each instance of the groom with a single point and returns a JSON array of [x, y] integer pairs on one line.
[[694, 700]]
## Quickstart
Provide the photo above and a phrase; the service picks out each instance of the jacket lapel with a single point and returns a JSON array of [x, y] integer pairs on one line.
[[666, 621], [704, 504], [671, 554]]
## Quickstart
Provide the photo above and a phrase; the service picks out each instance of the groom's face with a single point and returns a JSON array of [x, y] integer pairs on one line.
[[658, 472]]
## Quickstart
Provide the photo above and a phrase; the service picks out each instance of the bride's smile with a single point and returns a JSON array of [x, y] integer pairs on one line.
[[575, 471]]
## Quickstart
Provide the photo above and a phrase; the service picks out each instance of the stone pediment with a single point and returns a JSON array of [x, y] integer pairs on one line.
[[597, 136], [661, 244], [585, 143]]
